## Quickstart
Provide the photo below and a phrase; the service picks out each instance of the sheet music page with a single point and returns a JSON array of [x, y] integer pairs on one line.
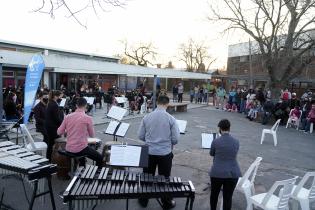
[[117, 155], [117, 113], [90, 100], [182, 125], [125, 155], [120, 100], [206, 140], [122, 130], [63, 102], [112, 127]]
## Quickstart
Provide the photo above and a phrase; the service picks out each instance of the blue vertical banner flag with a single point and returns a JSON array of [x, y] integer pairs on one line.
[[33, 76]]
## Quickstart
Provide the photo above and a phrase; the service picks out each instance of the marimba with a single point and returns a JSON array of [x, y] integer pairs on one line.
[[34, 168], [92, 185]]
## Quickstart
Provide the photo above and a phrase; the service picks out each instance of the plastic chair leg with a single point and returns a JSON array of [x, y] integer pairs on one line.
[[262, 137], [287, 123], [248, 194], [305, 204], [275, 140], [311, 127]]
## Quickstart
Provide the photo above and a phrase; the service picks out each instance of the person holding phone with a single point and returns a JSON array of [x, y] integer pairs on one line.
[[225, 170]]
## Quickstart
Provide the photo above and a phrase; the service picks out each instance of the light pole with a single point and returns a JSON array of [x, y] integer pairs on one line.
[[154, 92]]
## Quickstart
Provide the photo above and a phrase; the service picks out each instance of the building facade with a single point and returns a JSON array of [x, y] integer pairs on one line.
[[73, 69], [243, 68]]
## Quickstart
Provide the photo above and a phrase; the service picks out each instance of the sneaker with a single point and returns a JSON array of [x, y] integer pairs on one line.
[[168, 204]]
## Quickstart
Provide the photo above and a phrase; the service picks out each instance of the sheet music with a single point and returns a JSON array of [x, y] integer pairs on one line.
[[93, 140], [120, 100], [112, 127], [182, 125], [122, 130], [122, 155], [90, 100], [206, 140], [63, 102], [117, 113]]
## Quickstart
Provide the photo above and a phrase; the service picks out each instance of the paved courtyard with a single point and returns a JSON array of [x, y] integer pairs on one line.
[[294, 155]]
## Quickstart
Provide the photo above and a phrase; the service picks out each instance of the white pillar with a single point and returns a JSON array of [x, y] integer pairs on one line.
[[46, 78]]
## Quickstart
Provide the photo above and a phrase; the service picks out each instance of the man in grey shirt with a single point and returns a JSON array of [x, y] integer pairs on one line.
[[160, 132]]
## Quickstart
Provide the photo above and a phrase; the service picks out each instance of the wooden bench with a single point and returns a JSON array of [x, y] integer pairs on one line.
[[177, 107]]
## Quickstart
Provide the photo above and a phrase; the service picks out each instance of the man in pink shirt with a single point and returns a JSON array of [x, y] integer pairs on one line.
[[78, 126]]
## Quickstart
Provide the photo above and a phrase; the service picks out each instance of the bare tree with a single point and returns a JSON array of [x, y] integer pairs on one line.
[[141, 54], [195, 55], [74, 7], [281, 28]]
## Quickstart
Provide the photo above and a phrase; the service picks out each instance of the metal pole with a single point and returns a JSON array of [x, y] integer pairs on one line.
[[208, 84], [166, 84], [1, 92], [154, 92], [126, 83], [250, 63]]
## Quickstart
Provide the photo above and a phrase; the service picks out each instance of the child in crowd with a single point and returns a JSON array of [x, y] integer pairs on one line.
[[252, 114], [295, 116]]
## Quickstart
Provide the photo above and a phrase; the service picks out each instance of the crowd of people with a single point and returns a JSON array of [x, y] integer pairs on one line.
[[258, 105]]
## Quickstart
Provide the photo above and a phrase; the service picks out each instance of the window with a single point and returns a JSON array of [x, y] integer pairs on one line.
[[244, 58], [8, 74]]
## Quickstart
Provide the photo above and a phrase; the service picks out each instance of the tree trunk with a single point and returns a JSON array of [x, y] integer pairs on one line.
[[276, 87]]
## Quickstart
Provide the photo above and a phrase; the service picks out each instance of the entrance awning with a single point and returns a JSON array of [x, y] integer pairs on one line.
[[134, 71]]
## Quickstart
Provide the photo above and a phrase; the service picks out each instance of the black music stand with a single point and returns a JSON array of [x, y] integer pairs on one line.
[[117, 129]]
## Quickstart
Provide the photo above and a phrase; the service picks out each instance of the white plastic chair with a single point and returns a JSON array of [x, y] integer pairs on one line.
[[304, 195], [245, 183], [290, 122], [270, 201], [272, 131], [30, 144]]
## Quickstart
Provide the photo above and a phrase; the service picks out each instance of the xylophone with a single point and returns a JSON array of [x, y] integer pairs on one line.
[[34, 168], [92, 185]]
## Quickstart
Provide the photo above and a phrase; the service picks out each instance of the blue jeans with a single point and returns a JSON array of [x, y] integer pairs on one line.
[[242, 106]]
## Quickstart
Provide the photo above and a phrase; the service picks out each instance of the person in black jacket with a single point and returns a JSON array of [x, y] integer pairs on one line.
[[53, 119], [10, 107], [268, 110], [39, 114]]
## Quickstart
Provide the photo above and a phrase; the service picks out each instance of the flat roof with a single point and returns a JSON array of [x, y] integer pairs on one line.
[[54, 49]]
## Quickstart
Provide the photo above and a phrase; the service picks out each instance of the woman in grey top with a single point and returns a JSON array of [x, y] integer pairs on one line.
[[225, 170]]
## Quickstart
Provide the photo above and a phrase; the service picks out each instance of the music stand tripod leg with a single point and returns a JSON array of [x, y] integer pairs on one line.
[[127, 204], [51, 193], [33, 195], [187, 203]]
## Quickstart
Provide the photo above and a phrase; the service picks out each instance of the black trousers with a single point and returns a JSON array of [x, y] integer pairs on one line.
[[90, 153], [162, 162], [229, 185], [51, 136], [180, 97]]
